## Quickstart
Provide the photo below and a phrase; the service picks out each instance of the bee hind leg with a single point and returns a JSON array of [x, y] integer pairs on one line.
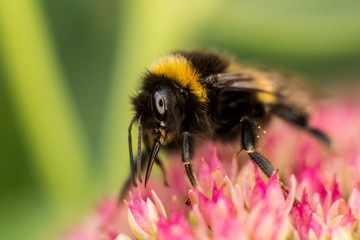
[[300, 119], [249, 142]]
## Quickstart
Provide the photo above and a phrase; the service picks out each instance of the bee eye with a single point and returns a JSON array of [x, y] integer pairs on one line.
[[159, 105]]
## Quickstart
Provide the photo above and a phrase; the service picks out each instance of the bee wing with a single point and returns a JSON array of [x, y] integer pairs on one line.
[[288, 89], [245, 82]]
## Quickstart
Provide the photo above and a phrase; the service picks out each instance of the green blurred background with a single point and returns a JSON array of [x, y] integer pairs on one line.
[[67, 68]]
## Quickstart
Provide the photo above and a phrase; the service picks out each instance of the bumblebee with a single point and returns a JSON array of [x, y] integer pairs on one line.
[[187, 97]]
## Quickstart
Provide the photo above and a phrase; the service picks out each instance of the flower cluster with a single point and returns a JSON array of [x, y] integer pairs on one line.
[[233, 200], [248, 208]]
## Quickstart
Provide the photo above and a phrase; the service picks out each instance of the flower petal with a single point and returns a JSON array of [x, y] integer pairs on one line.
[[153, 215], [158, 203], [135, 228]]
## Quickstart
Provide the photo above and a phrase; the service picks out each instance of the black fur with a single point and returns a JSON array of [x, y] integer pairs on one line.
[[206, 63]]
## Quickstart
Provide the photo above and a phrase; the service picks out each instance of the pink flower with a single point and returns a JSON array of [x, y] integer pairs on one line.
[[143, 216], [234, 201], [176, 227]]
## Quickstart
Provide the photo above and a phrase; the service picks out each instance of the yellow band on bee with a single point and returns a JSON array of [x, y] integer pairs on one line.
[[266, 97], [265, 84], [178, 68]]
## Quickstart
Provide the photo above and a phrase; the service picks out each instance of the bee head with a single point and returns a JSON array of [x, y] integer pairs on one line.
[[160, 108]]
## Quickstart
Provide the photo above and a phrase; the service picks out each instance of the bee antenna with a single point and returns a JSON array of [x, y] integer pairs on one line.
[[132, 168], [138, 159]]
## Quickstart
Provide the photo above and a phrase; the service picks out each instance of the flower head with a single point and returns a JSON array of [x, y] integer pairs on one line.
[[176, 227], [234, 201], [143, 216]]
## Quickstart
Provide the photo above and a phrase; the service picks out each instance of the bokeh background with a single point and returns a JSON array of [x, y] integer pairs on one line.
[[68, 67]]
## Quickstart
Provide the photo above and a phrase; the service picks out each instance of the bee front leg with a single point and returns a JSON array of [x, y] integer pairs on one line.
[[186, 157], [249, 142], [127, 185]]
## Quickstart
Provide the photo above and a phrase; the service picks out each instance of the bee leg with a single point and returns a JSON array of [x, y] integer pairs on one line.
[[132, 167], [186, 158], [127, 184], [249, 142], [300, 119]]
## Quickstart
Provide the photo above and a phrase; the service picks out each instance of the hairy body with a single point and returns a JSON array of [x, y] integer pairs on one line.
[[186, 97]]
